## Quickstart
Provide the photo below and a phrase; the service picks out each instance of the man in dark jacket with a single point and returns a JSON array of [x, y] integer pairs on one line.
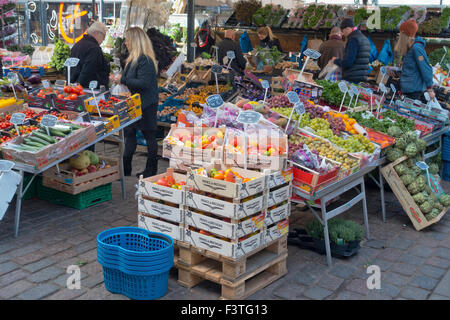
[[228, 44], [92, 65], [333, 47], [355, 64]]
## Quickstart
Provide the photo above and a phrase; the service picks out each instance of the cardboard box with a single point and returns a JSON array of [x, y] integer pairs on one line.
[[236, 210], [276, 231], [229, 249], [278, 195], [125, 103], [277, 214], [167, 212], [148, 188], [135, 111], [52, 152], [33, 101], [230, 230], [278, 178], [175, 231]]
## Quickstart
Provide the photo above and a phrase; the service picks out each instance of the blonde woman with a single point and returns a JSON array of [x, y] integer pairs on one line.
[[267, 39], [140, 76], [417, 74]]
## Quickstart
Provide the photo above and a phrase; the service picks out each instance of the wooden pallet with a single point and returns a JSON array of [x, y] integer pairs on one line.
[[238, 278]]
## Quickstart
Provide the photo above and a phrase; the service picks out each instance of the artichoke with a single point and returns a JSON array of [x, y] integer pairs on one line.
[[401, 169], [425, 207], [407, 179], [413, 188], [394, 131], [419, 198], [421, 145], [400, 143], [445, 199], [411, 150], [434, 168], [438, 206], [393, 154]]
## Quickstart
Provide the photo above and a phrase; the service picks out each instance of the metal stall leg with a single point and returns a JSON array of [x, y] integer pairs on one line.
[[325, 231], [122, 172], [366, 219], [19, 194], [383, 204]]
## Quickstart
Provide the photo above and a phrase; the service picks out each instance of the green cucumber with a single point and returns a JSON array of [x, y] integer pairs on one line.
[[33, 144], [74, 126], [39, 140], [57, 133], [43, 136], [23, 147]]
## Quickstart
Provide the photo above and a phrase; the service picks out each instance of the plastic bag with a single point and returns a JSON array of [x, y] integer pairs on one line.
[[120, 90], [373, 51], [246, 45], [386, 55], [327, 70]]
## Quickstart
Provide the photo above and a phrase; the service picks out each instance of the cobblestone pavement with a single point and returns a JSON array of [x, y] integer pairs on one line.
[[415, 265]]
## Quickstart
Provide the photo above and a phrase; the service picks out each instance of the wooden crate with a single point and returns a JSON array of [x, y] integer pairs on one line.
[[202, 76], [409, 205], [238, 278], [148, 188]]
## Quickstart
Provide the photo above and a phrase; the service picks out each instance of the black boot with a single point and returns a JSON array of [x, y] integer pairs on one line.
[[127, 167], [151, 168]]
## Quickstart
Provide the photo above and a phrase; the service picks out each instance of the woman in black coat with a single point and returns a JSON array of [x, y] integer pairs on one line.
[[140, 76]]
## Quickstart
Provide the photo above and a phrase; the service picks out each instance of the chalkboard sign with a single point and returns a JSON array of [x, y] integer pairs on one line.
[[60, 83], [313, 54], [93, 84], [12, 77], [49, 120], [265, 84], [6, 165], [216, 69], [45, 84], [293, 97], [214, 101], [172, 89], [354, 90], [71, 62], [231, 54], [393, 88], [17, 118], [299, 108], [343, 87], [422, 165], [193, 45], [248, 117]]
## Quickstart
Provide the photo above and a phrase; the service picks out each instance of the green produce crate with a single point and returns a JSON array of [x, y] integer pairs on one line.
[[79, 201], [31, 191]]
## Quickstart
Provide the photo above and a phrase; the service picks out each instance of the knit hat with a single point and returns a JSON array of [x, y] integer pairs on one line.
[[409, 28], [347, 23]]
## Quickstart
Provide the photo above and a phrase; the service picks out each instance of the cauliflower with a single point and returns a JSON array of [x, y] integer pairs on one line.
[[400, 143], [393, 154], [425, 207], [445, 199], [394, 131], [413, 188], [411, 150], [407, 179], [400, 169], [419, 198]]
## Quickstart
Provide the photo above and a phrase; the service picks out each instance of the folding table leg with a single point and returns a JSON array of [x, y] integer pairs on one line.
[[325, 232], [383, 204], [122, 173], [366, 219], [19, 195]]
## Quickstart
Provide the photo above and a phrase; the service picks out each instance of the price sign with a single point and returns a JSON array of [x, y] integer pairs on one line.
[[172, 89], [383, 88], [394, 90], [265, 84], [293, 97], [216, 69], [427, 96], [313, 54], [214, 101], [299, 108], [92, 85], [343, 87], [69, 63], [6, 165], [383, 71], [49, 121], [231, 55], [17, 118], [45, 84], [393, 87], [248, 117], [423, 166], [194, 45], [13, 79], [354, 90]]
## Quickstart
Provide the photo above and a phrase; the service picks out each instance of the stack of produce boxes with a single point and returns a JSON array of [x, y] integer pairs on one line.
[[161, 203]]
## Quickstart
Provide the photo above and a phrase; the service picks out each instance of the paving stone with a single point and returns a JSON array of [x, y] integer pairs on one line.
[[410, 259], [438, 262], [317, 293], [405, 269], [421, 251], [56, 248], [66, 294], [92, 281], [443, 253], [27, 249], [343, 271], [400, 243], [437, 235], [46, 274], [383, 264], [38, 292], [79, 239], [288, 291], [15, 289], [394, 278], [413, 293], [349, 295], [8, 267], [377, 244], [36, 266], [30, 257], [8, 246], [390, 254], [358, 286], [117, 297], [431, 271], [438, 297], [86, 246], [62, 279], [443, 287], [98, 293], [423, 282], [330, 282], [92, 268], [305, 278], [12, 276], [89, 256], [64, 255]]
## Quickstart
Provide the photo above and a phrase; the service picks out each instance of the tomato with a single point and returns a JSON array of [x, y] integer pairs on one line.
[[68, 89], [61, 96], [39, 95], [73, 96]]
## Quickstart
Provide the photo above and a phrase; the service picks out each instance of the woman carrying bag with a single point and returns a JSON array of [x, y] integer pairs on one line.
[[140, 76]]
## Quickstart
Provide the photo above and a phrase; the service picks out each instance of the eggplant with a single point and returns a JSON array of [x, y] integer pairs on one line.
[[34, 79]]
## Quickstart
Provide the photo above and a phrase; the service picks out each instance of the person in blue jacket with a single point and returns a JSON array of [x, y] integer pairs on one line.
[[417, 73]]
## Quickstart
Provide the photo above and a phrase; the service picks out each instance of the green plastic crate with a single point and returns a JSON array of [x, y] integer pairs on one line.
[[31, 191], [79, 201]]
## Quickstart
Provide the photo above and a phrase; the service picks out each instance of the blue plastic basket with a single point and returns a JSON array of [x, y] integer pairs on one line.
[[135, 261], [446, 170], [136, 287]]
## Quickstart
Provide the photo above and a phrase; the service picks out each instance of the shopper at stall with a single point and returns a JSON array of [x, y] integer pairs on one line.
[[267, 39], [228, 44], [93, 64], [140, 76], [355, 64], [333, 47], [417, 74], [204, 40]]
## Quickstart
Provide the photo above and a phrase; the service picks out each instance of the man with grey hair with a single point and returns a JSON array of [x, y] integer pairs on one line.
[[92, 64]]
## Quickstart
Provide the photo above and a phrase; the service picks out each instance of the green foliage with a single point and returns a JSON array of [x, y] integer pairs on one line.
[[361, 15], [269, 15], [391, 17], [445, 16], [381, 125], [244, 10], [436, 57], [60, 55], [337, 228], [268, 56], [431, 26], [332, 94]]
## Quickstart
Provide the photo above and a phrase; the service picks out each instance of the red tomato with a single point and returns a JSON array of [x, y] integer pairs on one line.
[[73, 96], [68, 89], [60, 96], [39, 95]]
